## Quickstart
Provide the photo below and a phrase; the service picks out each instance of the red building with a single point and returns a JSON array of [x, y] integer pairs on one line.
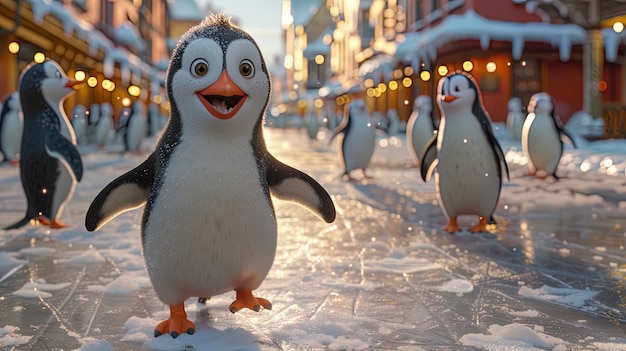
[[514, 48]]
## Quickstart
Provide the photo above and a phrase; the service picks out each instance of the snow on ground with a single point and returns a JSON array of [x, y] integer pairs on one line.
[[382, 276]]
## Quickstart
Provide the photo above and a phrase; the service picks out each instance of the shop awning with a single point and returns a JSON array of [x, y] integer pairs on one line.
[[422, 46]]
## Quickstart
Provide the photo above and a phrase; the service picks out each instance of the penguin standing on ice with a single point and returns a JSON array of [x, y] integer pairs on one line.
[[104, 125], [11, 126], [420, 127], [136, 128], [468, 158], [80, 123], [357, 139], [209, 225], [542, 136], [312, 124], [50, 165], [515, 118]]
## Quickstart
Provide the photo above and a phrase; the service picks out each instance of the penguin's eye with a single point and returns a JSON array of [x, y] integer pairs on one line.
[[57, 74], [199, 67], [246, 68]]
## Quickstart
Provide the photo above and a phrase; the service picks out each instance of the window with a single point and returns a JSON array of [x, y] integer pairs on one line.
[[435, 5]]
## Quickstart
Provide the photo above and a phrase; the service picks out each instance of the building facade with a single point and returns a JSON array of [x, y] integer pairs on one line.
[[391, 51], [118, 48]]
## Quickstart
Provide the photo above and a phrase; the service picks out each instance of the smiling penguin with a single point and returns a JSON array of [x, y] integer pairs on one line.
[[467, 155], [209, 226]]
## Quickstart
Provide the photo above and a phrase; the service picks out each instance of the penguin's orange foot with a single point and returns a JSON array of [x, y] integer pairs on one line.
[[481, 226], [452, 226], [14, 162], [176, 324], [58, 224], [245, 299]]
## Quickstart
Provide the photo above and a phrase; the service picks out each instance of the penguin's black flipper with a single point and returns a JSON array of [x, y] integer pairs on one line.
[[63, 150], [429, 159], [24, 221], [125, 193], [289, 184], [565, 136]]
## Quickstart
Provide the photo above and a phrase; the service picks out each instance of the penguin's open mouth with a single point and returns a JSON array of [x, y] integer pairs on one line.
[[223, 98], [222, 107]]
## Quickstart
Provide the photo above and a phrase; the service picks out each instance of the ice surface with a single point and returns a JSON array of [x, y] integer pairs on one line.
[[383, 276]]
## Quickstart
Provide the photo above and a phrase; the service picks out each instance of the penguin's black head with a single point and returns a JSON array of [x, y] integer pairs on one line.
[[217, 74], [45, 80], [459, 90]]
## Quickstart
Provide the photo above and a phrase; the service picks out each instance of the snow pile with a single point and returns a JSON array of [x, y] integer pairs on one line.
[[7, 259], [84, 257], [564, 296], [457, 286], [10, 337], [39, 289], [513, 337], [37, 252]]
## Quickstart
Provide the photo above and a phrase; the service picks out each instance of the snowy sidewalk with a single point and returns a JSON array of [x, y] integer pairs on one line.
[[382, 277]]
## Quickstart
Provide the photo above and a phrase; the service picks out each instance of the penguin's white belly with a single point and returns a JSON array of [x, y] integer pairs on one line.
[[467, 179], [211, 229], [357, 146], [419, 133], [541, 143], [63, 190], [11, 135]]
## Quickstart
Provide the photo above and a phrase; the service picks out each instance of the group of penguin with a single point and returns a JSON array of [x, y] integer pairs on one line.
[[208, 224], [462, 148]]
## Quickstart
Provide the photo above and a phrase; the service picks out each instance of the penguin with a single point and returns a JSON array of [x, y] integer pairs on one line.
[[208, 226], [542, 136], [155, 122], [393, 124], [80, 123], [92, 121], [50, 165], [312, 124], [136, 128], [104, 125], [515, 118], [467, 155], [357, 139], [420, 127], [11, 126]]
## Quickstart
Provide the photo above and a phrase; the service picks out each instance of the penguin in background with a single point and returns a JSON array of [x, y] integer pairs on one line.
[[312, 124], [79, 123], [93, 118], [357, 139], [136, 128], [11, 127], [420, 127], [467, 156], [542, 136], [212, 152], [155, 122], [104, 126], [393, 124], [515, 118], [50, 165]]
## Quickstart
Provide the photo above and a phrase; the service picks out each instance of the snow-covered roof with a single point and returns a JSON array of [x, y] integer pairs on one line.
[[131, 66], [422, 46], [375, 65], [128, 35], [185, 10]]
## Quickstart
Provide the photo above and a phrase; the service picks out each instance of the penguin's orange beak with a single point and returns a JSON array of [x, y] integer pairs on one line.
[[222, 99], [448, 98], [73, 84]]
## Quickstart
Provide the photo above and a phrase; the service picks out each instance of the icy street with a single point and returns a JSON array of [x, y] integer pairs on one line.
[[383, 276]]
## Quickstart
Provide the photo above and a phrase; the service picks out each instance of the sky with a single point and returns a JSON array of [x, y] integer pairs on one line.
[[259, 18]]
